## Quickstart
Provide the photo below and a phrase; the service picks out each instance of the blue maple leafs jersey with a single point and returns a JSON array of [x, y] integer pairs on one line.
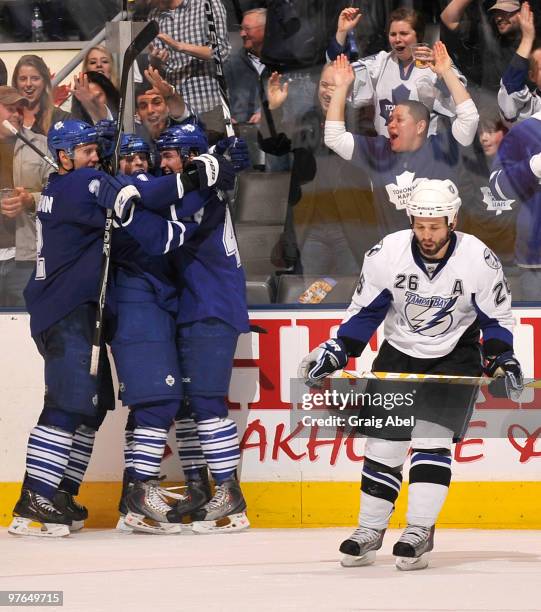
[[428, 308], [198, 234], [395, 175], [69, 228]]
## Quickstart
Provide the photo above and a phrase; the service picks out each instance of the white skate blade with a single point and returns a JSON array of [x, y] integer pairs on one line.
[[27, 527], [77, 525], [353, 561], [231, 523], [139, 522], [408, 564], [122, 526]]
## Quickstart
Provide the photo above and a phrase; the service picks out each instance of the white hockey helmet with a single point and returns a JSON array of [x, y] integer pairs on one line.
[[434, 198]]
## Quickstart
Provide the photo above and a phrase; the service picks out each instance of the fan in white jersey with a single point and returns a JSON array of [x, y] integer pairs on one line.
[[435, 289]]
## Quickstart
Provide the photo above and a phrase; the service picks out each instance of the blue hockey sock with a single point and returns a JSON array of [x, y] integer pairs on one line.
[[46, 459], [128, 452], [81, 451], [220, 445], [148, 447], [189, 448]]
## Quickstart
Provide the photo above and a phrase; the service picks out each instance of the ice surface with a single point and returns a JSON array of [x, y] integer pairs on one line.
[[273, 569]]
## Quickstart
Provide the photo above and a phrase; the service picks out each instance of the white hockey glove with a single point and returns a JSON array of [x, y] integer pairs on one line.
[[322, 361], [505, 365], [118, 193]]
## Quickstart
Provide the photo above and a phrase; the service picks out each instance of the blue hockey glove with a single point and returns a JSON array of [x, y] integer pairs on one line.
[[106, 137], [505, 365], [322, 361], [118, 193], [238, 152], [212, 171]]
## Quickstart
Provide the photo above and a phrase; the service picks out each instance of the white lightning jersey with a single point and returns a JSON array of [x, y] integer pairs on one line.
[[427, 307]]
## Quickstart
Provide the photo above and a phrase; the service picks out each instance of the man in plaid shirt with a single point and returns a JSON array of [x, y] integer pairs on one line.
[[190, 66]]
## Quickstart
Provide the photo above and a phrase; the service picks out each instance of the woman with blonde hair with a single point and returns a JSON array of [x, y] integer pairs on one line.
[[32, 80], [100, 59]]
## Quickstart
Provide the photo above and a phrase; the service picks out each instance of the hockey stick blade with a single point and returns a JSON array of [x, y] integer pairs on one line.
[[138, 44], [27, 142]]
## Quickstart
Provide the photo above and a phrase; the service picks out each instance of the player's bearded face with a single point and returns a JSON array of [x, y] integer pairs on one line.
[[432, 235]]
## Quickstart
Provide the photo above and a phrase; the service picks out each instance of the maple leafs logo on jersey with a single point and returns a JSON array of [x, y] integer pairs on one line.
[[386, 107], [429, 316], [493, 204], [399, 193]]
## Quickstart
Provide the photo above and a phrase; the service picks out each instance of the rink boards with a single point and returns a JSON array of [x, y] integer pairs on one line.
[[292, 476]]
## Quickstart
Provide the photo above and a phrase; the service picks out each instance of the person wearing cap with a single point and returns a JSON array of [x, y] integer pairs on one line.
[[23, 173], [435, 290], [516, 100], [482, 48]]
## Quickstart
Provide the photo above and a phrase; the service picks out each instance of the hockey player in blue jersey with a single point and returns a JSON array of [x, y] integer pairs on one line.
[[134, 154], [61, 299], [435, 289], [207, 330]]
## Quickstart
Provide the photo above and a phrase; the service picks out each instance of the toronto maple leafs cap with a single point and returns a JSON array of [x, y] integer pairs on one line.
[[509, 6]]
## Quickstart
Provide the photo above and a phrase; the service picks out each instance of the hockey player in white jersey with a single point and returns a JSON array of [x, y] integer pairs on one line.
[[435, 289]]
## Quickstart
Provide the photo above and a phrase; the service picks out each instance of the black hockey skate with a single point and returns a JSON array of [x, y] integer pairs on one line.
[[413, 548], [127, 482], [226, 511], [361, 546], [65, 502], [148, 509], [196, 494], [34, 508]]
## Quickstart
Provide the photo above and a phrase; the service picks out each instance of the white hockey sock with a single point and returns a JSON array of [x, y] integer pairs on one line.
[[189, 448], [430, 475], [128, 449], [220, 445], [46, 459], [148, 446], [379, 490]]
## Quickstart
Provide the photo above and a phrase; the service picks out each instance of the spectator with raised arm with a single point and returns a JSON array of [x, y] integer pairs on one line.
[[481, 42], [190, 67], [391, 77], [396, 164], [515, 99]]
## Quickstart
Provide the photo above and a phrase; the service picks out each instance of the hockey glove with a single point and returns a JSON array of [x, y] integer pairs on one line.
[[212, 171], [322, 361], [237, 149], [118, 193], [505, 365]]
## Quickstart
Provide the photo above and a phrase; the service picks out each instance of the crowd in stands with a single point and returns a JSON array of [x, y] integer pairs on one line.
[[337, 134]]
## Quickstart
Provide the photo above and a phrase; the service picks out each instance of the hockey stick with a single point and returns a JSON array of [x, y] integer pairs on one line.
[[224, 98], [138, 44], [475, 381], [27, 142]]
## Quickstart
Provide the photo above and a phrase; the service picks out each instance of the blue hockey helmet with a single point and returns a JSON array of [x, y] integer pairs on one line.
[[131, 143], [68, 134], [186, 138]]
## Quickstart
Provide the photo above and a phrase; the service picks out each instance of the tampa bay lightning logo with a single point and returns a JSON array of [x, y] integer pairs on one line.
[[429, 316], [375, 249], [491, 260], [386, 107]]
